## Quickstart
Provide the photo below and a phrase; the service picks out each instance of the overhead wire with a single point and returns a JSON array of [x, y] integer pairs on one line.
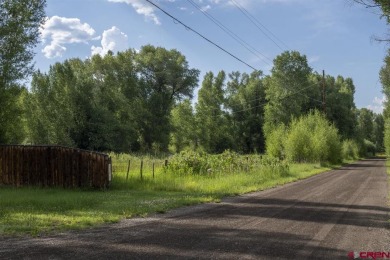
[[259, 26], [232, 55], [199, 34], [298, 92], [242, 42]]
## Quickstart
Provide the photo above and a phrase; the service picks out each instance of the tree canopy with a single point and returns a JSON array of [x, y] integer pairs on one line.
[[19, 33]]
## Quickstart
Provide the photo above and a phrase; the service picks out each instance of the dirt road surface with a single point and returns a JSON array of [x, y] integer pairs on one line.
[[323, 217]]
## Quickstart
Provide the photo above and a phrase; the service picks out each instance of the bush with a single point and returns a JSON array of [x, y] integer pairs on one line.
[[200, 163], [310, 138], [350, 149], [274, 144], [370, 147], [387, 137]]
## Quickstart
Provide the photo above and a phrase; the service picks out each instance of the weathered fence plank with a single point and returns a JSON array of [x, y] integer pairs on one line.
[[53, 166]]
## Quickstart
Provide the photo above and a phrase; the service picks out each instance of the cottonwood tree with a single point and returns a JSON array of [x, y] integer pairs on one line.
[[245, 100], [183, 132], [165, 77], [19, 33], [286, 90], [212, 127]]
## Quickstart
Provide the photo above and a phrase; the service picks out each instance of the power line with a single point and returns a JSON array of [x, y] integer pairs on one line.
[[298, 92], [242, 42], [258, 24], [199, 34]]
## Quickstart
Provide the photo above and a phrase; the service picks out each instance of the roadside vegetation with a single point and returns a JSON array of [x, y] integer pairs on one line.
[[244, 132], [187, 180]]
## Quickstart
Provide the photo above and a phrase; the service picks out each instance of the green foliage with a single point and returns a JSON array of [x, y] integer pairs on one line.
[[378, 132], [350, 149], [387, 137], [19, 33], [290, 74], [310, 138], [117, 102], [183, 134], [211, 120], [275, 142], [370, 148], [40, 211], [366, 123], [244, 100], [189, 162], [340, 106], [164, 77]]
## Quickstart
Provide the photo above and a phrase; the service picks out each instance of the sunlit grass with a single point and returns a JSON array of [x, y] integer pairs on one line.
[[36, 211], [388, 180]]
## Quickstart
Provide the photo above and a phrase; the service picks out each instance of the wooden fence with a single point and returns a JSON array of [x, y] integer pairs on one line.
[[53, 166]]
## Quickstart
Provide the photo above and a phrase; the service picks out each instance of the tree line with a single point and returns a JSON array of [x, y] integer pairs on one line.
[[143, 101]]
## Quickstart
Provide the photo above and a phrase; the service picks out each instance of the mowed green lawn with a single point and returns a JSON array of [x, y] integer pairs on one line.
[[38, 211]]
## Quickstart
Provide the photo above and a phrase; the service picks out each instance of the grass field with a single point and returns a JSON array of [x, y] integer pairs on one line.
[[388, 180], [37, 211]]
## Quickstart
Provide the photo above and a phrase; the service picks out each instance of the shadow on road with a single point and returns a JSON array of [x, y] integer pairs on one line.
[[178, 241]]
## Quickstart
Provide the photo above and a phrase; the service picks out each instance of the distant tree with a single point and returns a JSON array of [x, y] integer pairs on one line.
[[245, 99], [340, 105], [212, 127], [183, 133], [286, 90], [366, 124], [384, 75], [383, 4], [165, 77], [120, 102], [379, 129], [19, 33]]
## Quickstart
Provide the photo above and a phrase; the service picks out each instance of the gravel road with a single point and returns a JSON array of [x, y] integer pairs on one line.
[[323, 217]]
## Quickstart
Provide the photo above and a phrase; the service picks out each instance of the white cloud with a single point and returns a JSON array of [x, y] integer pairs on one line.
[[206, 8], [144, 8], [112, 40], [141, 7], [59, 31], [377, 104]]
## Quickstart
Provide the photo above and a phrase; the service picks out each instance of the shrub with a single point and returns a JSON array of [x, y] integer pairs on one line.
[[274, 144], [370, 147], [350, 149], [310, 138], [387, 137], [200, 163]]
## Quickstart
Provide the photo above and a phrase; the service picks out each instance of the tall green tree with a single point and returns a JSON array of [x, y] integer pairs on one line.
[[286, 90], [384, 75], [245, 98], [183, 133], [379, 130], [366, 124], [212, 127], [340, 105], [19, 33], [165, 77]]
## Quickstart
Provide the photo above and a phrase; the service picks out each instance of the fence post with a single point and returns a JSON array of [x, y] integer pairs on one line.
[[153, 170], [247, 164], [142, 165], [128, 170]]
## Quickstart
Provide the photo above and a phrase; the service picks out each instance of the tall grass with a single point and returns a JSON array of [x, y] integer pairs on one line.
[[37, 211]]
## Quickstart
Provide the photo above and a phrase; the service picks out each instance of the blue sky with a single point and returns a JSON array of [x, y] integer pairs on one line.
[[335, 35]]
